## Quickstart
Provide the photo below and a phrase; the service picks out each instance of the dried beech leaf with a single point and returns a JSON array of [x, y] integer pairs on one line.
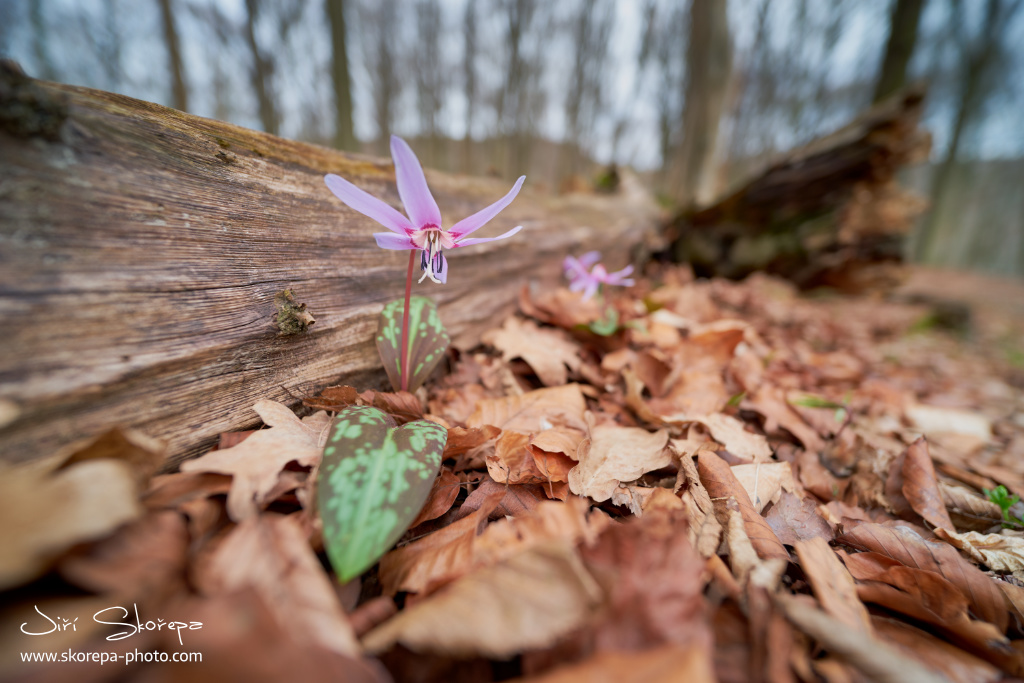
[[950, 661], [876, 660], [721, 484], [921, 488], [832, 584], [45, 513], [534, 411], [969, 510], [441, 497], [730, 432], [908, 548], [616, 454], [764, 483], [796, 519], [541, 595], [270, 554], [256, 463], [515, 462], [997, 552], [549, 352]]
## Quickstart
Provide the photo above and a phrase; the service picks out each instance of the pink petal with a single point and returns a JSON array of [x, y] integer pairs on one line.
[[367, 204], [480, 218], [480, 240], [385, 240], [590, 258], [591, 289], [412, 186]]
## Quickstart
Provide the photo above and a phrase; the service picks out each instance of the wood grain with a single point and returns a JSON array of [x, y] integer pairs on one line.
[[141, 249]]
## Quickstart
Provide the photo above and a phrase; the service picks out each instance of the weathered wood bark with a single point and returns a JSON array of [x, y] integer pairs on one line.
[[830, 213], [142, 248]]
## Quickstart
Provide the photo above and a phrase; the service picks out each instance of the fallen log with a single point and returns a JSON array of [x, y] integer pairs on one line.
[[142, 249], [830, 213]]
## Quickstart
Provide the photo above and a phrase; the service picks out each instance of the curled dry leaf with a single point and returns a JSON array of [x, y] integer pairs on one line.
[[441, 497], [832, 584], [998, 552], [401, 405], [270, 554], [908, 548], [731, 433], [938, 655], [764, 483], [721, 484], [796, 519], [921, 488], [549, 352], [533, 411], [45, 512], [515, 462], [614, 454], [876, 660], [541, 594], [257, 462], [969, 510]]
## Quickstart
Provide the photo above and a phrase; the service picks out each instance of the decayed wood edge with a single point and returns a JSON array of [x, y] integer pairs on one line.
[[142, 247]]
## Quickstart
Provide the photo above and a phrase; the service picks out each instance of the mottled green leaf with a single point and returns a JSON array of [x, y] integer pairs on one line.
[[427, 336], [373, 480]]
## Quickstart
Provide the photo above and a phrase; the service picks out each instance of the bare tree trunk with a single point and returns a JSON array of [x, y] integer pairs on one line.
[[709, 62], [978, 56], [590, 32], [179, 89], [262, 72], [903, 23], [39, 41], [344, 130], [431, 77], [470, 45]]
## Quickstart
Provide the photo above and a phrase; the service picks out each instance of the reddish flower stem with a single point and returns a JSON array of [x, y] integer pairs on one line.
[[405, 322]]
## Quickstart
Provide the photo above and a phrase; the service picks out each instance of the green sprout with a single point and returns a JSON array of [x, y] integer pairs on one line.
[[1001, 497]]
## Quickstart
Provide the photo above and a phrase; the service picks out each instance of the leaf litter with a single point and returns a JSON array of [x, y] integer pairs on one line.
[[738, 483]]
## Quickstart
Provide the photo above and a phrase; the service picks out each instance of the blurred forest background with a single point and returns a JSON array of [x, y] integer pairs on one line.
[[693, 94]]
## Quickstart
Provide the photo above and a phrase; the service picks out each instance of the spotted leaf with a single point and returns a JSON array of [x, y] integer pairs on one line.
[[428, 339], [373, 480]]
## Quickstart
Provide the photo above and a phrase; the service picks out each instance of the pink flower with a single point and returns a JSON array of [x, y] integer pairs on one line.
[[589, 281], [422, 229]]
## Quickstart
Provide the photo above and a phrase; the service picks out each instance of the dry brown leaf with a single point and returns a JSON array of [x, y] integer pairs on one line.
[[515, 462], [832, 584], [549, 352], [721, 484], [143, 558], [270, 554], [441, 497], [938, 655], [771, 402], [257, 462], [533, 411], [46, 512], [540, 594], [143, 454], [875, 659], [934, 419], [404, 406], [462, 440], [921, 488], [969, 510], [730, 432], [909, 549], [463, 546], [614, 454], [764, 483], [928, 597], [998, 552], [796, 519], [668, 664]]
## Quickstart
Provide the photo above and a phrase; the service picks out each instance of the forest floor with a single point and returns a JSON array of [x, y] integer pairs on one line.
[[731, 486]]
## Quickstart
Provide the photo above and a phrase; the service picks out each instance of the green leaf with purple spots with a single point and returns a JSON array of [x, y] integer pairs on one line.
[[374, 479], [428, 339]]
